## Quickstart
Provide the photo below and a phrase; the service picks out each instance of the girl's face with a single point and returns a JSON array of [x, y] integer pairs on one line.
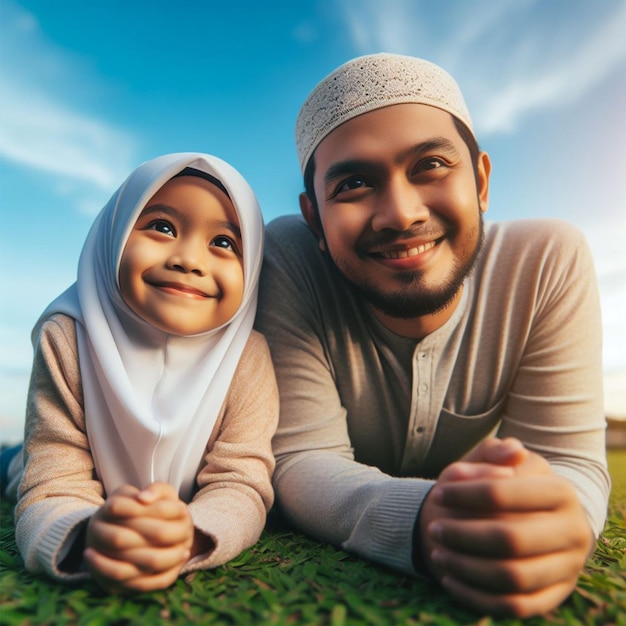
[[182, 267]]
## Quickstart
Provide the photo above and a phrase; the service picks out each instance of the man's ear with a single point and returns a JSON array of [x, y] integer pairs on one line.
[[311, 217], [484, 170]]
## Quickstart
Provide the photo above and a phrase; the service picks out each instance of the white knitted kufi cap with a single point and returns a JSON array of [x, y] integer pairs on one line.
[[372, 82]]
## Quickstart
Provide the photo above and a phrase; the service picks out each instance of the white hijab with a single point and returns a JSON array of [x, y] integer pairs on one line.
[[152, 399]]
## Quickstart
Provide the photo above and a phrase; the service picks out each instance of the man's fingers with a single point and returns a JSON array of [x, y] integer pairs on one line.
[[507, 575], [509, 451], [475, 471], [514, 604], [521, 536], [519, 494]]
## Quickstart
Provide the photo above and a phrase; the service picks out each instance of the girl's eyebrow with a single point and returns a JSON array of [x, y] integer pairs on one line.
[[158, 208], [232, 227]]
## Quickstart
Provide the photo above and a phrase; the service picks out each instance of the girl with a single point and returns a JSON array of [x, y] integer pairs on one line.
[[152, 401]]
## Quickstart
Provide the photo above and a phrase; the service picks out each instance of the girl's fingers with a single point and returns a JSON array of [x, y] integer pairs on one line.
[[165, 510], [157, 491], [129, 503], [158, 532], [104, 568], [144, 570], [112, 538], [133, 563]]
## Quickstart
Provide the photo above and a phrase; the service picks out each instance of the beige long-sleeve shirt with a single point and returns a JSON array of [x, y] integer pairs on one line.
[[369, 418], [59, 489]]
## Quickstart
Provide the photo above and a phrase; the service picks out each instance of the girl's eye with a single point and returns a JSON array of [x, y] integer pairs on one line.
[[224, 242], [162, 226]]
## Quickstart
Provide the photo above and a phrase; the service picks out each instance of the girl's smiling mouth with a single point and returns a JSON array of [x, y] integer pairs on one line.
[[180, 289]]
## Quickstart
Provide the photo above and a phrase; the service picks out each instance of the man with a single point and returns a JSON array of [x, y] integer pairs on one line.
[[406, 333]]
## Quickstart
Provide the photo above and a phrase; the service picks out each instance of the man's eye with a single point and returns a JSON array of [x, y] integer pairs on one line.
[[431, 164], [162, 226], [354, 182]]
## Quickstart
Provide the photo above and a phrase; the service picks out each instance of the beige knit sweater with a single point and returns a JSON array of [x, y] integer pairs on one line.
[[59, 489], [368, 418]]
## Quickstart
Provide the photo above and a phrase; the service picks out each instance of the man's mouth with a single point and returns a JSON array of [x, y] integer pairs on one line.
[[396, 250], [407, 252]]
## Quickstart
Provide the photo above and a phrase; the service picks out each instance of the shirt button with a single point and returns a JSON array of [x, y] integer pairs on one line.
[[419, 430], [423, 388]]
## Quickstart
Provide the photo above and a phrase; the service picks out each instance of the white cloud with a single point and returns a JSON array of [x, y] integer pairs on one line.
[[42, 134], [414, 26], [558, 78], [40, 129], [378, 26], [551, 57]]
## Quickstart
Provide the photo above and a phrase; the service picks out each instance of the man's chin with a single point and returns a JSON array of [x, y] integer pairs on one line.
[[410, 308]]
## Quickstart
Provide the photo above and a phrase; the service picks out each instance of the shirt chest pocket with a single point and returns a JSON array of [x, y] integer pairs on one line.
[[456, 434]]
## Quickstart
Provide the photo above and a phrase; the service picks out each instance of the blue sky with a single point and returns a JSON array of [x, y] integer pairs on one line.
[[90, 89]]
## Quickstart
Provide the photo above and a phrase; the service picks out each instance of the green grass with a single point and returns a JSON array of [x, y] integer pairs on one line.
[[289, 579]]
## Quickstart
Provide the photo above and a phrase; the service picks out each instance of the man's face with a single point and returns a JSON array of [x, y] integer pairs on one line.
[[399, 207]]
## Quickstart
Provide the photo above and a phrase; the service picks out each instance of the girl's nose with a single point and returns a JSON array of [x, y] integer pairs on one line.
[[189, 258]]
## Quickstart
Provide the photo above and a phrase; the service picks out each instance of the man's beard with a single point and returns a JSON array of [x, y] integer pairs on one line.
[[413, 300]]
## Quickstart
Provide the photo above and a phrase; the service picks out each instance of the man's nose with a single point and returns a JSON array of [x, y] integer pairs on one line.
[[399, 206]]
